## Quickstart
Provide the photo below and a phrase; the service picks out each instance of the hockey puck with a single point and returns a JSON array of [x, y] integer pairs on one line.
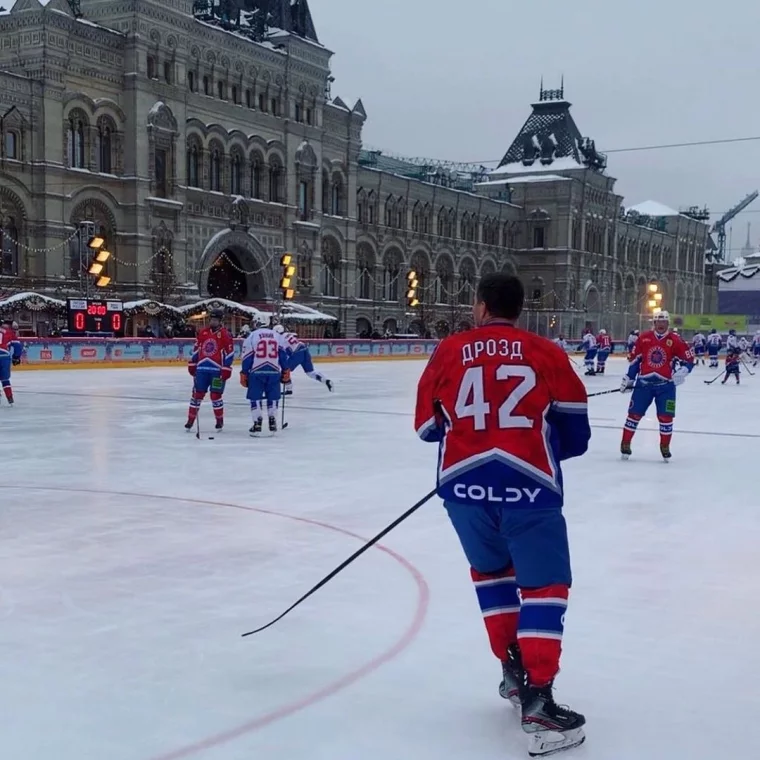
[[211, 438]]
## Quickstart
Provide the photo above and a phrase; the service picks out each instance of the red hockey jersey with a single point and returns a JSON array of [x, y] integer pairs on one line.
[[658, 353], [506, 407], [603, 342], [213, 351]]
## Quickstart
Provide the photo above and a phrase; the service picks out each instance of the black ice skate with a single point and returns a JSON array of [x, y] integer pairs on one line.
[[625, 450], [287, 389], [256, 429], [329, 384], [189, 425], [553, 728], [273, 424], [219, 424], [590, 372], [514, 676], [665, 451]]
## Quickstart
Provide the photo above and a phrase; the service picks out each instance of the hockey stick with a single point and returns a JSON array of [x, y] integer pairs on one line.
[[746, 366], [343, 565], [603, 393], [717, 377], [283, 424]]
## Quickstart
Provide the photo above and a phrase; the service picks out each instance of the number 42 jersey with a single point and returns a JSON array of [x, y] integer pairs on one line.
[[506, 407]]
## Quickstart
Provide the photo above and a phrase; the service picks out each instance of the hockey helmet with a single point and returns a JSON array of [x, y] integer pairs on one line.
[[279, 329], [713, 331], [661, 315], [602, 331], [732, 332], [216, 314]]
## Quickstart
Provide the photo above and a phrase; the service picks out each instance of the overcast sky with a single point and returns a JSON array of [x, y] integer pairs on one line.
[[454, 80]]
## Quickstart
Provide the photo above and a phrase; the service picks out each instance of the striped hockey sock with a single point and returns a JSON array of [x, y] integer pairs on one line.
[[500, 605], [542, 623]]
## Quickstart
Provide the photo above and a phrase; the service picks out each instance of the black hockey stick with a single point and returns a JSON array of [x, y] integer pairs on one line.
[[283, 424], [746, 366], [717, 377], [604, 393], [343, 565]]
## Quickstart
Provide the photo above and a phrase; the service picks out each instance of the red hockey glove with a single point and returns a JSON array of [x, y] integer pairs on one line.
[[191, 369], [243, 379], [226, 373], [285, 377]]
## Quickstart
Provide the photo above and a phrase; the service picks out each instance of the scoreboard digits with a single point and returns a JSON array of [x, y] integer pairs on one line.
[[87, 315]]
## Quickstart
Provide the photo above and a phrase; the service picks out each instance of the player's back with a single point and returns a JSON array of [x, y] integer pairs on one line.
[[261, 351], [500, 389]]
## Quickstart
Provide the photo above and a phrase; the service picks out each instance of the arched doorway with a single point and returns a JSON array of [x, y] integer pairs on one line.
[[234, 266], [363, 327]]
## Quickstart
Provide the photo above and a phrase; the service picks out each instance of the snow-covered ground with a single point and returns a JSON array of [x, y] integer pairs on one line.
[[132, 557]]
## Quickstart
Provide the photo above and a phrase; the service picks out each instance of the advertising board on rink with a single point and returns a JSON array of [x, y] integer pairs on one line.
[[40, 353]]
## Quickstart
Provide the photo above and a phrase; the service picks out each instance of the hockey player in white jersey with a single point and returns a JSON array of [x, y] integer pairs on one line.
[[756, 348], [632, 338], [561, 342], [265, 353], [299, 357], [588, 344], [698, 344], [714, 343], [743, 345], [732, 341]]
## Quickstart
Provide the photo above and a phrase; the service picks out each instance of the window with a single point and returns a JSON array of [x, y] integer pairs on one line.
[[299, 114], [235, 95], [11, 145], [168, 72], [236, 175], [192, 166], [104, 139], [191, 80], [538, 237], [303, 200], [262, 102], [8, 246], [220, 89], [275, 180], [275, 106], [152, 68], [206, 86], [256, 178], [248, 99], [75, 139], [337, 197], [161, 172], [309, 116], [216, 170]]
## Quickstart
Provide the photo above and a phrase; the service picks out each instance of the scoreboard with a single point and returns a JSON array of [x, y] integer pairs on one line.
[[88, 315]]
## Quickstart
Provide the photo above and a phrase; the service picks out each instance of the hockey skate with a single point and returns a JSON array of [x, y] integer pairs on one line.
[[189, 425], [625, 450], [219, 424], [273, 425], [287, 389], [514, 676], [665, 451], [329, 384], [256, 429], [590, 372], [552, 727]]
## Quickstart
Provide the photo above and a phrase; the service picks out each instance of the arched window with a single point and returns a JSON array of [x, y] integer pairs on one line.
[[248, 99], [168, 72], [365, 261], [75, 139], [105, 147], [392, 276], [193, 165], [191, 80], [11, 145], [337, 196], [331, 268], [275, 181], [256, 177], [220, 89], [206, 85], [401, 215], [216, 169], [236, 175], [152, 68], [8, 246], [235, 95], [390, 211], [326, 208]]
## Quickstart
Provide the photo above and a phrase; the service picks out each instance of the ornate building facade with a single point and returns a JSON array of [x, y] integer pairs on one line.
[[200, 139]]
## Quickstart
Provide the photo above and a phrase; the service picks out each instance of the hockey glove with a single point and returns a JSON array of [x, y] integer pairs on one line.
[[244, 379], [680, 375], [285, 376], [626, 384], [15, 361], [191, 369]]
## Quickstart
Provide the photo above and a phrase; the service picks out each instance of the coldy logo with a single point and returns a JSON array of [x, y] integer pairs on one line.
[[496, 495]]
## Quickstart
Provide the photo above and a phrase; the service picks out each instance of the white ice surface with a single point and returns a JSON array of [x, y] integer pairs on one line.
[[121, 614]]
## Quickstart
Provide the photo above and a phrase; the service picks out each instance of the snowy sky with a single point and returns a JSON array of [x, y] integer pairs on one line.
[[453, 80]]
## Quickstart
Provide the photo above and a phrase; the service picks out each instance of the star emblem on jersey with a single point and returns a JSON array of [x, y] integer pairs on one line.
[[656, 357]]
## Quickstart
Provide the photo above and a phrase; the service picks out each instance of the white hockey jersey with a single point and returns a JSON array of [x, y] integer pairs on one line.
[[714, 339], [732, 341], [262, 350], [589, 341]]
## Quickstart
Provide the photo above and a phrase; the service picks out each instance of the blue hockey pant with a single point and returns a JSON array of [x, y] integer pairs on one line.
[[263, 385], [588, 360], [301, 358], [5, 371]]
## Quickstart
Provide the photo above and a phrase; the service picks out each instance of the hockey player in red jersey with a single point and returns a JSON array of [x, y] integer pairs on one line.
[[603, 350], [506, 408], [10, 355], [656, 354], [211, 367]]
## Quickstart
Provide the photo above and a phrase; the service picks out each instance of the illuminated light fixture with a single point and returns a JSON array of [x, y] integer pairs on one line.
[[95, 268], [288, 273], [103, 281], [96, 242]]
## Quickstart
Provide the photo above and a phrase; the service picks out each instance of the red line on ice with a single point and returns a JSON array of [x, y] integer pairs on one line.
[[411, 633]]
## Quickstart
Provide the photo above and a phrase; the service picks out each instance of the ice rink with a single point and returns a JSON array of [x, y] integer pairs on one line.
[[132, 557]]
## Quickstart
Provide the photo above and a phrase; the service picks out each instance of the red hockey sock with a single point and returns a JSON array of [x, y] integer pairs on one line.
[[631, 423], [666, 429], [500, 605], [218, 404], [542, 623], [8, 391], [195, 404]]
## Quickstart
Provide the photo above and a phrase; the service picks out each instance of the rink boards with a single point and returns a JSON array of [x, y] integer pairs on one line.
[[78, 353]]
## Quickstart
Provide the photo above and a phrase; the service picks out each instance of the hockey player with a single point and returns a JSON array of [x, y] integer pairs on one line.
[[632, 338], [743, 345], [588, 344], [657, 351], [714, 343], [561, 342], [265, 354], [211, 367], [300, 357], [732, 341], [603, 349], [732, 365], [756, 348], [506, 407], [10, 355], [698, 344]]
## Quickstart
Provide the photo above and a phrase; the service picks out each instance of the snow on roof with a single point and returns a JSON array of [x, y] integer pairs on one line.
[[653, 208], [523, 180], [18, 297], [558, 165]]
